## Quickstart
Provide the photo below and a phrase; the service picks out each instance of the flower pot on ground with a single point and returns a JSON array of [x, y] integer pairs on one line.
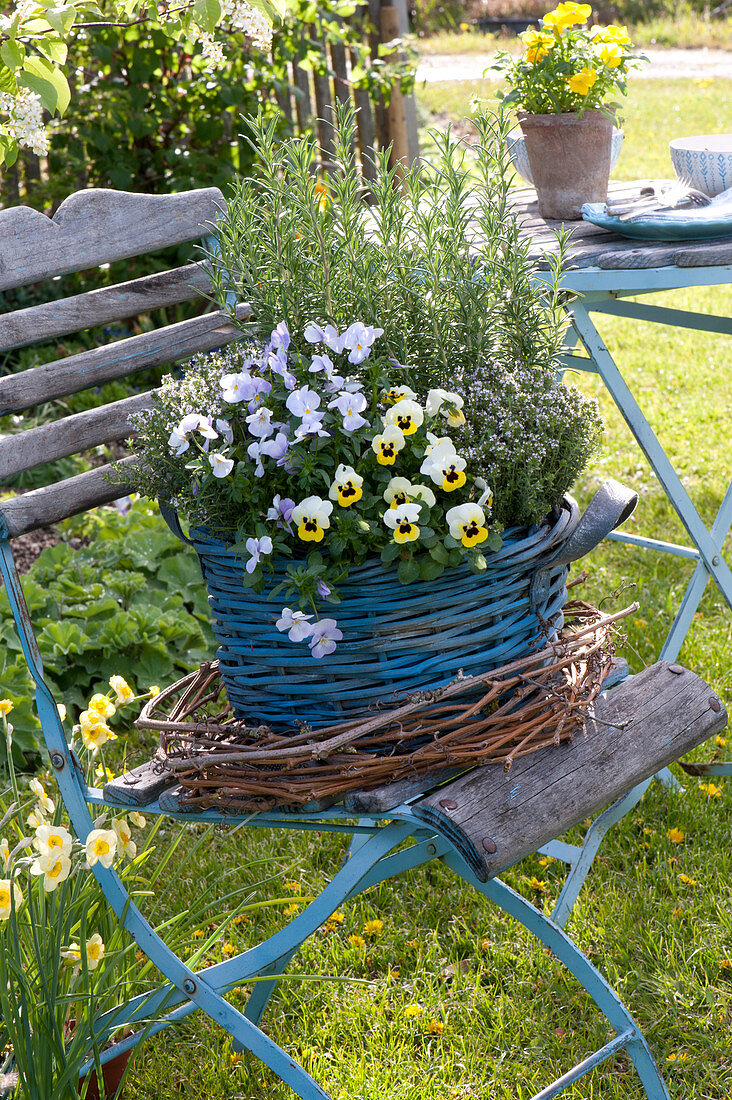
[[569, 155]]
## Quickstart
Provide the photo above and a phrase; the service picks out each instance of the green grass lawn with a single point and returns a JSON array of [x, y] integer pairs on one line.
[[448, 999]]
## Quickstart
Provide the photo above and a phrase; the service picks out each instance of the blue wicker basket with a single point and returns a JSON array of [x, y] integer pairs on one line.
[[396, 638]]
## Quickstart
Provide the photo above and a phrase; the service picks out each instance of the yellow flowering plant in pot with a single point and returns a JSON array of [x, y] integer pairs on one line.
[[563, 87]]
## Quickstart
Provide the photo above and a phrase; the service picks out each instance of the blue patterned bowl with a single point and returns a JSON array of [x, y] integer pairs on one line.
[[520, 159], [704, 162]]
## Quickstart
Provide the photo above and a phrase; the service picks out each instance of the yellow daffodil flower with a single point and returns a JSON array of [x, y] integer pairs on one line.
[[94, 731], [402, 521], [6, 705], [346, 487], [312, 518], [54, 867], [101, 705], [101, 845], [123, 693], [581, 82], [406, 415], [125, 843], [388, 445], [9, 892], [467, 524]]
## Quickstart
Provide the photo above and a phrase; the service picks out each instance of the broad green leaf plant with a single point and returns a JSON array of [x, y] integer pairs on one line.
[[34, 50]]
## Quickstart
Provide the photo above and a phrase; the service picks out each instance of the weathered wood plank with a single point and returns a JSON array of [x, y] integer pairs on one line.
[[99, 226], [495, 819], [101, 307], [381, 799], [52, 503], [70, 436], [140, 786], [705, 254], [91, 368]]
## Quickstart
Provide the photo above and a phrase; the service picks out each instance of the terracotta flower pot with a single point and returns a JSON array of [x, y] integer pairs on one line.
[[569, 156]]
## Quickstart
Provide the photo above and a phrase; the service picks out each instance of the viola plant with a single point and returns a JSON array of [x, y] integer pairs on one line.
[[568, 65]]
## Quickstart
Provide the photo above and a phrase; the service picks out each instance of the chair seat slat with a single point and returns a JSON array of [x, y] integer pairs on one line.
[[70, 436], [96, 227], [91, 368], [101, 307], [52, 503]]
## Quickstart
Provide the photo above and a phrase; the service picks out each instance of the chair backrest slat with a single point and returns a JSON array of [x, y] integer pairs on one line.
[[70, 436], [101, 307], [97, 227], [91, 368], [52, 503]]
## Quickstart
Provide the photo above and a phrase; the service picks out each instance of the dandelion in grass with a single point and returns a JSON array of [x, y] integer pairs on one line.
[[101, 846], [293, 887], [725, 964], [676, 836], [687, 881], [677, 912], [10, 893], [537, 884], [356, 941], [435, 1027], [680, 1056], [721, 742], [373, 927], [413, 1012], [711, 790], [228, 949], [292, 910], [337, 917], [103, 774]]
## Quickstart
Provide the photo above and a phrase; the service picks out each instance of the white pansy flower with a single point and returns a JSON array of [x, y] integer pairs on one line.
[[438, 398], [312, 518], [407, 415], [467, 524], [400, 490], [346, 487], [296, 623], [403, 522], [221, 466]]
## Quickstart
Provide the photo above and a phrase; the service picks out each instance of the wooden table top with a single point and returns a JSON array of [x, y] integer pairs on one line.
[[592, 246]]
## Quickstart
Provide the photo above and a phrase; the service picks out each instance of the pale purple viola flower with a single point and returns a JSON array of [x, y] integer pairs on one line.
[[237, 387], [323, 590], [312, 424], [350, 406], [277, 363], [221, 466], [281, 509], [295, 623], [254, 450], [280, 337], [259, 422], [303, 402], [261, 388], [225, 429], [325, 634], [195, 422], [178, 442], [322, 362], [276, 447], [257, 548], [331, 338], [358, 338], [313, 333], [334, 384]]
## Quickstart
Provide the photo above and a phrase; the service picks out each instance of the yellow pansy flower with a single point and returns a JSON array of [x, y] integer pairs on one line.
[[312, 518], [400, 490], [346, 487], [406, 415], [399, 393], [403, 522], [611, 55], [581, 82], [467, 524], [611, 34], [567, 15], [388, 445]]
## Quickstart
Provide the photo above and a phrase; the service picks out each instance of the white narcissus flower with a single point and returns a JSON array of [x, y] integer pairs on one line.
[[125, 843], [403, 522], [467, 524], [122, 690], [346, 487], [101, 845], [220, 466], [9, 892], [406, 415], [137, 819], [47, 804], [52, 840], [388, 445], [94, 951], [312, 518], [400, 490], [54, 867]]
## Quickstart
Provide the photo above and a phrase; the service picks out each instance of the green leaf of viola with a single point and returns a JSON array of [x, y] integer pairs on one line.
[[494, 541], [439, 554], [450, 542], [408, 572], [250, 580], [456, 556], [429, 569], [390, 552]]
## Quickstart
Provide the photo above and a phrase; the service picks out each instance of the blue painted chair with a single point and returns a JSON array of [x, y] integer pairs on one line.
[[477, 824]]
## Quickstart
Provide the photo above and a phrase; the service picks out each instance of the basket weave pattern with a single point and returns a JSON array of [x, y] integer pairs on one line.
[[494, 717], [396, 637]]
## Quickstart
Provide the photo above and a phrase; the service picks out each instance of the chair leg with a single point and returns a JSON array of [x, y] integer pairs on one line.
[[628, 1034]]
